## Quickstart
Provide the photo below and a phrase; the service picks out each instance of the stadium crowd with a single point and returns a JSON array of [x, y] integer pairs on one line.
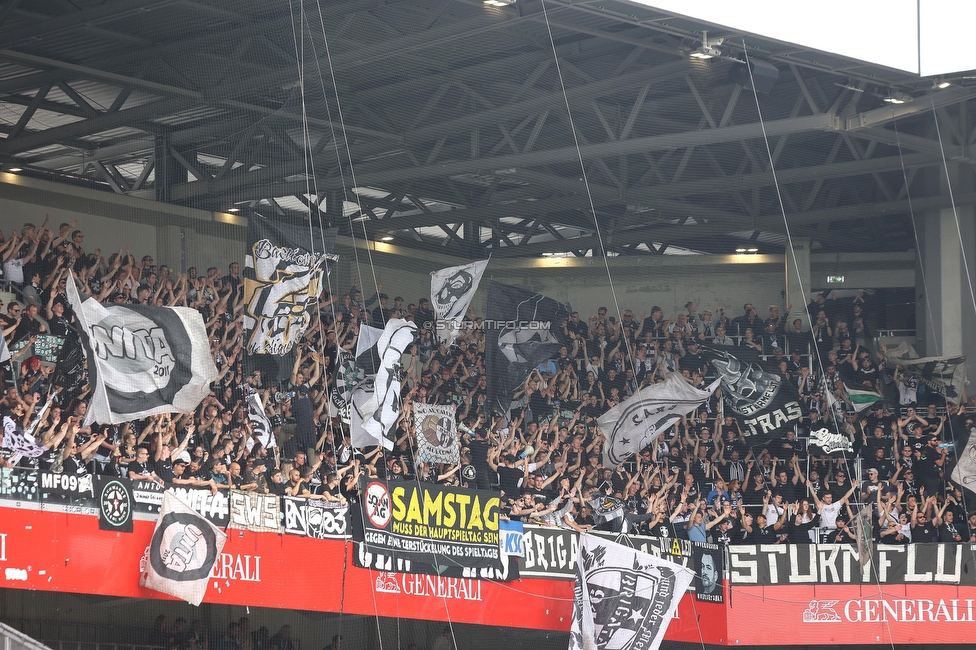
[[701, 480]]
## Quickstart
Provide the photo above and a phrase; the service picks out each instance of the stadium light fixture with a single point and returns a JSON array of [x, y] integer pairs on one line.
[[233, 209], [499, 3], [15, 169], [898, 97], [942, 83], [707, 51], [387, 238]]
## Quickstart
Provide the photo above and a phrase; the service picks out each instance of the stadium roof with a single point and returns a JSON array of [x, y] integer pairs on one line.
[[457, 128]]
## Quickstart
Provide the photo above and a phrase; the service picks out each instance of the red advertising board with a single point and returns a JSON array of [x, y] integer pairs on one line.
[[852, 614], [56, 551]]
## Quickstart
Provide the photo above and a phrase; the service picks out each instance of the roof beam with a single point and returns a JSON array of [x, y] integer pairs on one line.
[[107, 12]]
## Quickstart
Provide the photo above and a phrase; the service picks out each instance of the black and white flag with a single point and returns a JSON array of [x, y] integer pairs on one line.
[[823, 442], [397, 337], [964, 473], [625, 599], [436, 429], [260, 423], [16, 442], [637, 421], [451, 291], [367, 357], [283, 272], [182, 552], [945, 376], [348, 375], [522, 329], [760, 400], [606, 509], [142, 360], [362, 405]]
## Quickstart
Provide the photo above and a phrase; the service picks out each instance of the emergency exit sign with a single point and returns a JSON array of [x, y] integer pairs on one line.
[[833, 279]]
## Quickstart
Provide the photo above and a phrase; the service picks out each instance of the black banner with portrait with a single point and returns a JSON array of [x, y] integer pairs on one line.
[[706, 561]]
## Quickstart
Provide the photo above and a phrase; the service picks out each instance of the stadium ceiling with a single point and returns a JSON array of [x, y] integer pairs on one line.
[[457, 127]]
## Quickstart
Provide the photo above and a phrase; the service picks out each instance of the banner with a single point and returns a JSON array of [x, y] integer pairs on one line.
[[367, 557], [214, 507], [640, 419], [283, 272], [260, 423], [707, 564], [436, 429], [823, 442], [522, 329], [147, 496], [142, 360], [430, 523], [260, 513], [944, 375], [182, 553], [625, 599], [66, 488], [115, 503], [510, 535], [451, 291], [551, 552], [764, 405], [315, 518], [397, 337], [838, 564]]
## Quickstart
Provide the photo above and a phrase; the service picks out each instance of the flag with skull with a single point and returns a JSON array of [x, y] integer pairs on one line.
[[451, 291], [522, 329]]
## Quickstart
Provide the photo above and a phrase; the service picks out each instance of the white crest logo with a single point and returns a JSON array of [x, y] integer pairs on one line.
[[821, 611], [386, 583]]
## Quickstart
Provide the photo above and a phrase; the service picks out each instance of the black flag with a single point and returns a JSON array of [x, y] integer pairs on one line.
[[763, 403], [522, 329]]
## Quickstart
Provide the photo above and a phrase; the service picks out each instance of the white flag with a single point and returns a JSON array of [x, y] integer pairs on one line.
[[636, 422], [625, 599], [437, 440], [451, 291], [182, 552], [397, 336], [142, 360], [260, 423], [964, 473]]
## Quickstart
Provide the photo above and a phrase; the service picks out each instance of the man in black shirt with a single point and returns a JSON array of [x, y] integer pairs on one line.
[[842, 534], [509, 476], [141, 469], [29, 324]]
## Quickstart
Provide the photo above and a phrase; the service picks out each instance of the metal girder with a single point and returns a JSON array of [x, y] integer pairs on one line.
[[547, 101], [103, 122], [569, 154], [769, 222], [174, 91], [110, 11]]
